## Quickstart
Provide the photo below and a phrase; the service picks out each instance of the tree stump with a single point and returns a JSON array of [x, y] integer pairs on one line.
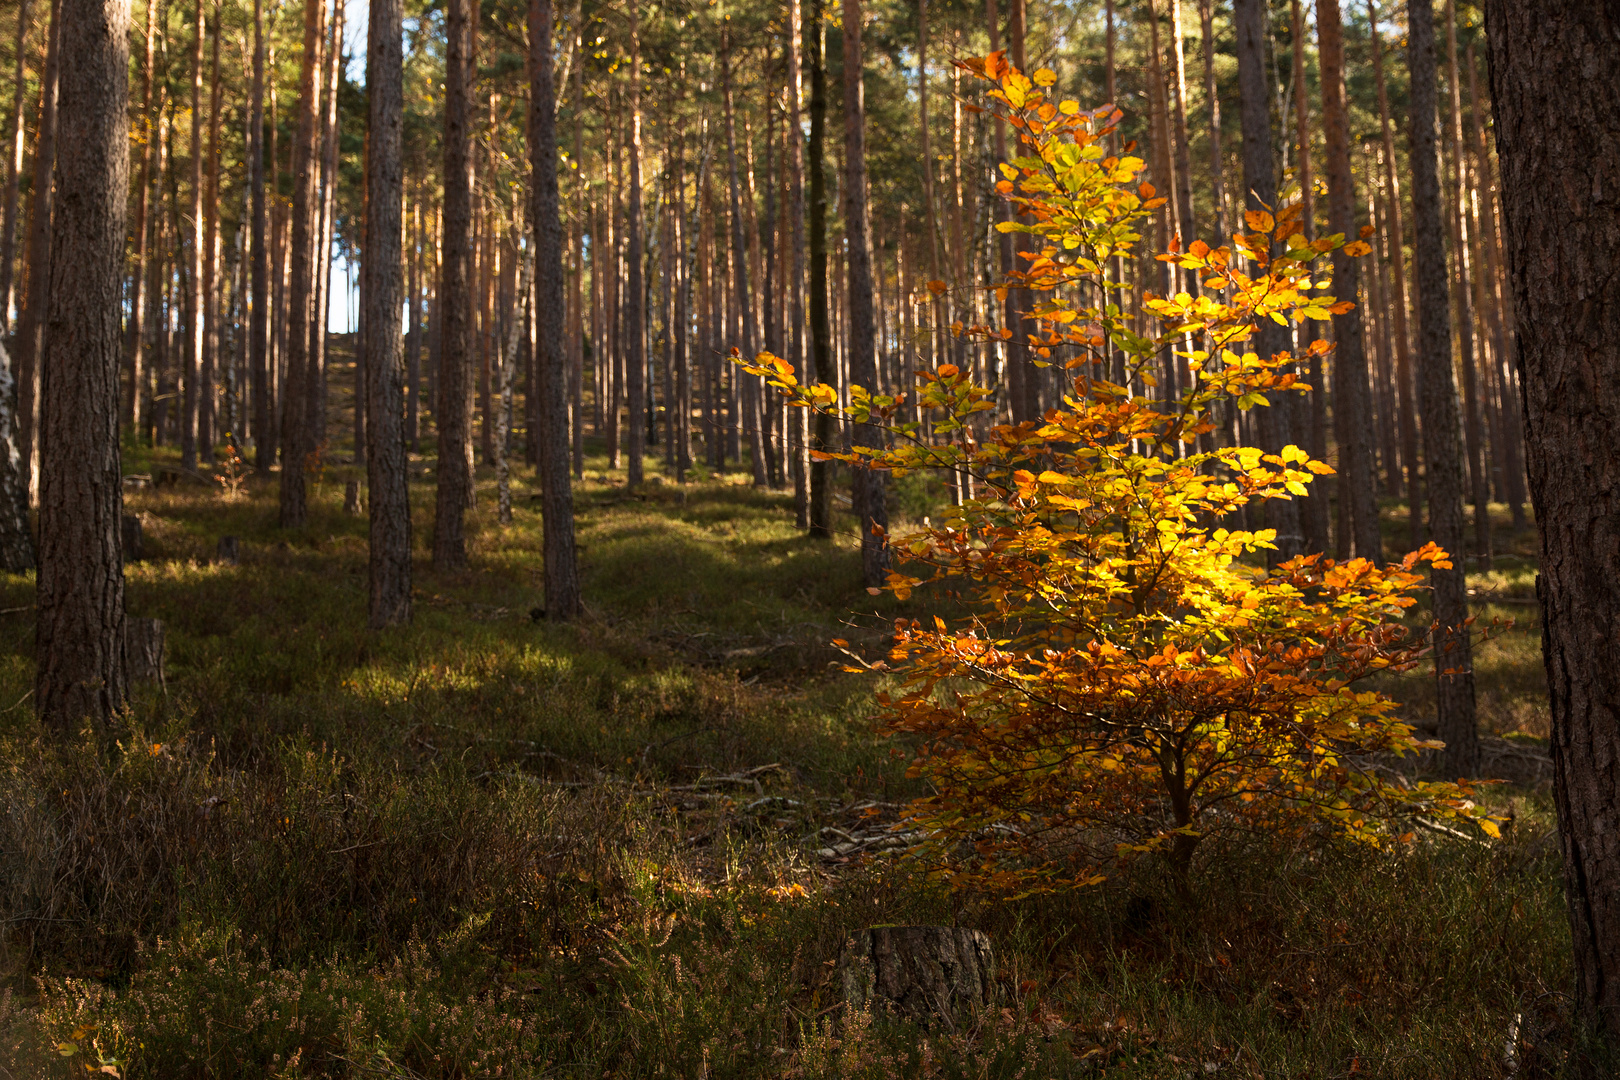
[[130, 534], [351, 498], [230, 550], [926, 971], [143, 650]]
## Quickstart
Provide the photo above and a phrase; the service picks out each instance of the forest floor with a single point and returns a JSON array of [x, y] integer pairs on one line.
[[633, 845]]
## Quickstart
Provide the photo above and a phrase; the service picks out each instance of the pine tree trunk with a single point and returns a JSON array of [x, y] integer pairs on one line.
[[1557, 111], [1438, 401], [388, 495], [14, 157], [295, 426], [820, 324], [1358, 486], [16, 540], [799, 419], [259, 272], [1260, 185], [635, 316], [747, 342], [137, 290], [868, 495], [1206, 21], [561, 566], [36, 299], [454, 478], [209, 377], [191, 368], [80, 635], [1311, 414]]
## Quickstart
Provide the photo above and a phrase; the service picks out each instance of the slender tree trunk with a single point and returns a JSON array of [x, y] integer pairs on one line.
[[455, 298], [576, 338], [1260, 186], [413, 334], [137, 291], [325, 210], [797, 355], [1397, 264], [14, 156], [258, 274], [31, 324], [1314, 510], [747, 342], [193, 357], [1206, 22], [506, 364], [1438, 400], [1359, 488], [635, 316], [821, 525], [868, 495], [561, 567], [80, 631], [1561, 215], [208, 378], [295, 427], [388, 495]]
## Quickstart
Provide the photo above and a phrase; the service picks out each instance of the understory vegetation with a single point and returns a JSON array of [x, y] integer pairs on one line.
[[632, 846]]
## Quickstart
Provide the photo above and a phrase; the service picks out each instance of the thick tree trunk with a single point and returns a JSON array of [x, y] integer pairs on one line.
[[561, 564], [1438, 401], [14, 156], [295, 427], [1358, 485], [1557, 111], [454, 406], [1260, 188], [80, 635], [36, 299], [388, 497], [868, 493]]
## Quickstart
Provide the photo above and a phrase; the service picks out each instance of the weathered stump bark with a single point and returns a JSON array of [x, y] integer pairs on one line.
[[927, 972], [130, 533], [143, 649], [351, 497], [230, 550]]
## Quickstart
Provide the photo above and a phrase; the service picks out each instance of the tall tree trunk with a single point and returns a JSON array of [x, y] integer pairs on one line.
[[1314, 510], [1397, 265], [36, 303], [193, 357], [14, 155], [413, 333], [798, 418], [635, 315], [1206, 22], [1359, 487], [561, 566], [80, 633], [137, 291], [820, 324], [208, 377], [747, 342], [325, 210], [295, 426], [388, 495], [1561, 214], [576, 339], [868, 494], [506, 364], [259, 273], [1260, 187], [1438, 400], [454, 477]]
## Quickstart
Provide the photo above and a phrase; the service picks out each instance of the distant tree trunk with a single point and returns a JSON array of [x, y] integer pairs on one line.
[[820, 324], [1438, 400], [506, 365], [561, 564], [1359, 487], [258, 274], [1260, 188], [1557, 111], [388, 495], [14, 159], [295, 428], [324, 217], [16, 541], [455, 299], [413, 335], [209, 376], [797, 354], [137, 290], [36, 300], [191, 365], [748, 343], [576, 337], [80, 634], [868, 493], [635, 315], [1397, 266], [1310, 414], [1206, 21]]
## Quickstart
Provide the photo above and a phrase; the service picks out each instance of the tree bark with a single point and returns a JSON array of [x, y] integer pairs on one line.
[[1260, 193], [820, 323], [258, 274], [191, 364], [1206, 22], [561, 564], [1557, 113], [455, 300], [209, 376], [36, 302], [1438, 401], [388, 495], [748, 342], [80, 635], [868, 495], [295, 429], [137, 289], [635, 315], [16, 540], [798, 418], [1358, 485]]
